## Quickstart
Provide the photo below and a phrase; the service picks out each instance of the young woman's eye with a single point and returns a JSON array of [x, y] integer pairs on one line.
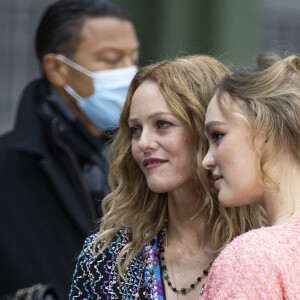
[[162, 124], [216, 136], [135, 131]]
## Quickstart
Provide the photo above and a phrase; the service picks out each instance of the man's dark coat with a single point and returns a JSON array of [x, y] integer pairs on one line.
[[53, 175]]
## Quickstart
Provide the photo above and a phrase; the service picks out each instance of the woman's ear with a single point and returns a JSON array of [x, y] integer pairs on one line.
[[55, 70]]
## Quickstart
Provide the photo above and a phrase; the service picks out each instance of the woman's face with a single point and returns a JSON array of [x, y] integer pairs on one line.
[[159, 140], [231, 157]]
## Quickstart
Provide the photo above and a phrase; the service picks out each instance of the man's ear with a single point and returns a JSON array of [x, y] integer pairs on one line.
[[55, 70]]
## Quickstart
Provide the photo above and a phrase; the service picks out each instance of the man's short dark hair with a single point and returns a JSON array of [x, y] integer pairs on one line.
[[60, 27]]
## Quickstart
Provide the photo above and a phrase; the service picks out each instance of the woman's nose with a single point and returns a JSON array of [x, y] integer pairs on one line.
[[208, 161], [147, 142]]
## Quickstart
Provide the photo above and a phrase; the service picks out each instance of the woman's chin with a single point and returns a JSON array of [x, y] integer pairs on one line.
[[157, 188]]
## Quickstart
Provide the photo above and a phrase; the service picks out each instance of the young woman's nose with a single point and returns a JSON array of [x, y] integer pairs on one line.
[[147, 141], [208, 161]]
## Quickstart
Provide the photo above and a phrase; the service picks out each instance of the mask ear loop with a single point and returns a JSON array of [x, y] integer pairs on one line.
[[74, 65], [79, 68], [73, 93]]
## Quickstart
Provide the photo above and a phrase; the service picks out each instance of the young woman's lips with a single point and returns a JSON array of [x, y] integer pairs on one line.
[[153, 162], [217, 180]]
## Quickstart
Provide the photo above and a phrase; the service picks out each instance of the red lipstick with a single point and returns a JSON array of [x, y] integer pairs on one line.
[[153, 162]]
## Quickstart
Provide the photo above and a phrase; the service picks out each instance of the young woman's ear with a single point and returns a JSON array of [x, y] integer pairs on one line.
[[55, 70]]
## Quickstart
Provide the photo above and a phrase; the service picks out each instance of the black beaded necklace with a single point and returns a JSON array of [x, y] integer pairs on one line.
[[161, 251]]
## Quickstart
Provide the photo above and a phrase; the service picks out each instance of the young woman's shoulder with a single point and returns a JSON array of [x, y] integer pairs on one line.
[[257, 244], [258, 264]]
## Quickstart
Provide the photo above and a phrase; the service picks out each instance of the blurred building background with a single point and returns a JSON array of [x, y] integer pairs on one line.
[[234, 31]]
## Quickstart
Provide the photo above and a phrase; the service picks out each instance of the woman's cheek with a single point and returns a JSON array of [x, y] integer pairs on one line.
[[135, 151]]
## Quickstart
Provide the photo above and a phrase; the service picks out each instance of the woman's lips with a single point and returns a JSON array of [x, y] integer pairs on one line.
[[217, 179], [153, 162]]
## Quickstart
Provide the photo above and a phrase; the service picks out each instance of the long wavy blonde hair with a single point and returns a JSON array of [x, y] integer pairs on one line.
[[187, 84]]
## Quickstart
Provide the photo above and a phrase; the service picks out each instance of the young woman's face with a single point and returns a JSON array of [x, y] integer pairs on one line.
[[159, 140], [231, 157]]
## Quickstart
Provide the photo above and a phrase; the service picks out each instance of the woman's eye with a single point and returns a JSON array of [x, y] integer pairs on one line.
[[216, 136], [135, 131], [162, 124]]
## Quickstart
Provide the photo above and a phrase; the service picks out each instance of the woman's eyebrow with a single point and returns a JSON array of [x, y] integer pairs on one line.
[[209, 125], [152, 116]]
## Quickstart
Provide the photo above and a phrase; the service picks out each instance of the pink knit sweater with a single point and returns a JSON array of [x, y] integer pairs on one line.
[[260, 264]]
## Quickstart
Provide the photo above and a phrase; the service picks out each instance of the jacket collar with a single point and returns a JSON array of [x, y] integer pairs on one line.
[[28, 134], [39, 106]]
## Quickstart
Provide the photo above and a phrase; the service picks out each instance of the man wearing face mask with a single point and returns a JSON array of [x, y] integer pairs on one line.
[[53, 165]]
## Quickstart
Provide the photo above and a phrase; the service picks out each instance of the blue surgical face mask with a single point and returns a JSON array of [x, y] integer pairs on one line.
[[104, 106]]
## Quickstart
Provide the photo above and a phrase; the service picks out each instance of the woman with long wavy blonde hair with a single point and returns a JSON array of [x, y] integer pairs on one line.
[[162, 225], [257, 111]]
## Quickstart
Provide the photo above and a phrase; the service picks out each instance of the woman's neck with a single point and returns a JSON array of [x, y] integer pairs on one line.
[[185, 222], [284, 205]]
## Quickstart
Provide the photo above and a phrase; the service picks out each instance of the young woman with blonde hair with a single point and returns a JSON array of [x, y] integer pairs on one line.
[[162, 225], [257, 112]]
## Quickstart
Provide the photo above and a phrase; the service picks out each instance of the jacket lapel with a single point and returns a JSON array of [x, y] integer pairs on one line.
[[73, 204]]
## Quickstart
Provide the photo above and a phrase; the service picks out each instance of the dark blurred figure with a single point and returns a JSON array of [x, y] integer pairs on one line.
[[53, 167]]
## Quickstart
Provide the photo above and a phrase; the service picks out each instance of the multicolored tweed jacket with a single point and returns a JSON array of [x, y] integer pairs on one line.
[[96, 276]]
